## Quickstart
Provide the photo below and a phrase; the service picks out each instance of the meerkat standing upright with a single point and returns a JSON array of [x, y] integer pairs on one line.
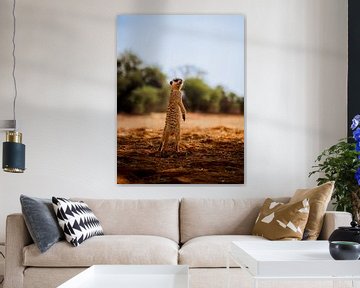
[[172, 122]]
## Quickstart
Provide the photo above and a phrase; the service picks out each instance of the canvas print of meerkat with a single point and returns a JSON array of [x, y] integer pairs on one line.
[[180, 99]]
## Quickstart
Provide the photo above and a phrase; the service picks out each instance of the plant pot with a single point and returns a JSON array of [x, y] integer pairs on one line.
[[350, 234], [343, 250]]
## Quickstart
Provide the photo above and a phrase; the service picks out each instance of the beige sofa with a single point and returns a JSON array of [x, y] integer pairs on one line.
[[195, 232]]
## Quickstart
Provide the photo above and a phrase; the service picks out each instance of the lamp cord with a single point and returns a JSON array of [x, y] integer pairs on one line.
[[14, 62]]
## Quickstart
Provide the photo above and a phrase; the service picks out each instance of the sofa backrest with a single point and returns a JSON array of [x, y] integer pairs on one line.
[[200, 217], [159, 217]]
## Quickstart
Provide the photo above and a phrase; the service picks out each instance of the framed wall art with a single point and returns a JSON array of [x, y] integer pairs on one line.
[[180, 99]]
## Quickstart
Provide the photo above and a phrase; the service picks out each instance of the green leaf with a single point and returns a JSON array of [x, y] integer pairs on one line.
[[339, 163]]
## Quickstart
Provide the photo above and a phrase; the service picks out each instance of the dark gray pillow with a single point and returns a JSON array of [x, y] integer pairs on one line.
[[41, 221]]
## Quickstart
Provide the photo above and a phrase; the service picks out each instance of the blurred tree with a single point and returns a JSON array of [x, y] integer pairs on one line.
[[215, 98], [144, 89], [240, 101], [163, 98], [197, 94], [143, 99], [233, 103], [153, 76], [131, 75], [128, 62], [125, 85], [225, 104]]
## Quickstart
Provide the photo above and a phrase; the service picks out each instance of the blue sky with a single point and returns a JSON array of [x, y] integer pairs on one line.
[[213, 43]]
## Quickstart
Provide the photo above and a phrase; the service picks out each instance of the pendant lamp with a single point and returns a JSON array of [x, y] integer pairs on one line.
[[13, 160]]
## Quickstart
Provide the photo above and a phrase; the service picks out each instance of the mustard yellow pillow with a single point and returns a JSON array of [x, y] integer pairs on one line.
[[279, 221], [319, 198]]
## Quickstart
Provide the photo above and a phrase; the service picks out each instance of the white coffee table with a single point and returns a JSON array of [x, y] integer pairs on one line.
[[296, 260], [131, 276]]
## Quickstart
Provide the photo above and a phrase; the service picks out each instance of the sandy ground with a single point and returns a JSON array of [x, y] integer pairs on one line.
[[211, 150]]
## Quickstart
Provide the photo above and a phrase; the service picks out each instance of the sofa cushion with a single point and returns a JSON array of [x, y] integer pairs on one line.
[[158, 217], [200, 217], [41, 221], [319, 198], [211, 251], [279, 221], [76, 220], [107, 249]]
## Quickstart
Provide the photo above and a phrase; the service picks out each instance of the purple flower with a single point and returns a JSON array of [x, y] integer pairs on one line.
[[357, 147], [357, 176], [355, 122], [356, 134]]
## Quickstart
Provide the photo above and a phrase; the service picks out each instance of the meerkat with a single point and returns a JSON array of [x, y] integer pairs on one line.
[[172, 122]]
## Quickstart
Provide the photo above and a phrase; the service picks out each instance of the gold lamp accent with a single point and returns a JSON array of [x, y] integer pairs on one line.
[[14, 136]]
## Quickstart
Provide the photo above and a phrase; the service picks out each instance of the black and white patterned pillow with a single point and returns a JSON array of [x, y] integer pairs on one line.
[[77, 220]]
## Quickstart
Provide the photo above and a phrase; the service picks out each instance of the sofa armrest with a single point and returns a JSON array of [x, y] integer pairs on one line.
[[333, 220], [17, 237]]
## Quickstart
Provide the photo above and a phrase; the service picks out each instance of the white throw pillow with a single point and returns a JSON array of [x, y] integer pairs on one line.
[[76, 220]]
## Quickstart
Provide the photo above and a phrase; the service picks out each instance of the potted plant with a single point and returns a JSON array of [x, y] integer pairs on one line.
[[341, 163]]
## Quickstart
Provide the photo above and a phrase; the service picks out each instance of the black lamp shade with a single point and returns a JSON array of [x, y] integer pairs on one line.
[[13, 157]]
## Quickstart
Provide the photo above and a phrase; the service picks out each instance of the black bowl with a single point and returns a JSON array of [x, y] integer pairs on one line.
[[344, 250]]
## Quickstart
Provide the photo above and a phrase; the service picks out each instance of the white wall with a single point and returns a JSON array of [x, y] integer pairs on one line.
[[295, 95]]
